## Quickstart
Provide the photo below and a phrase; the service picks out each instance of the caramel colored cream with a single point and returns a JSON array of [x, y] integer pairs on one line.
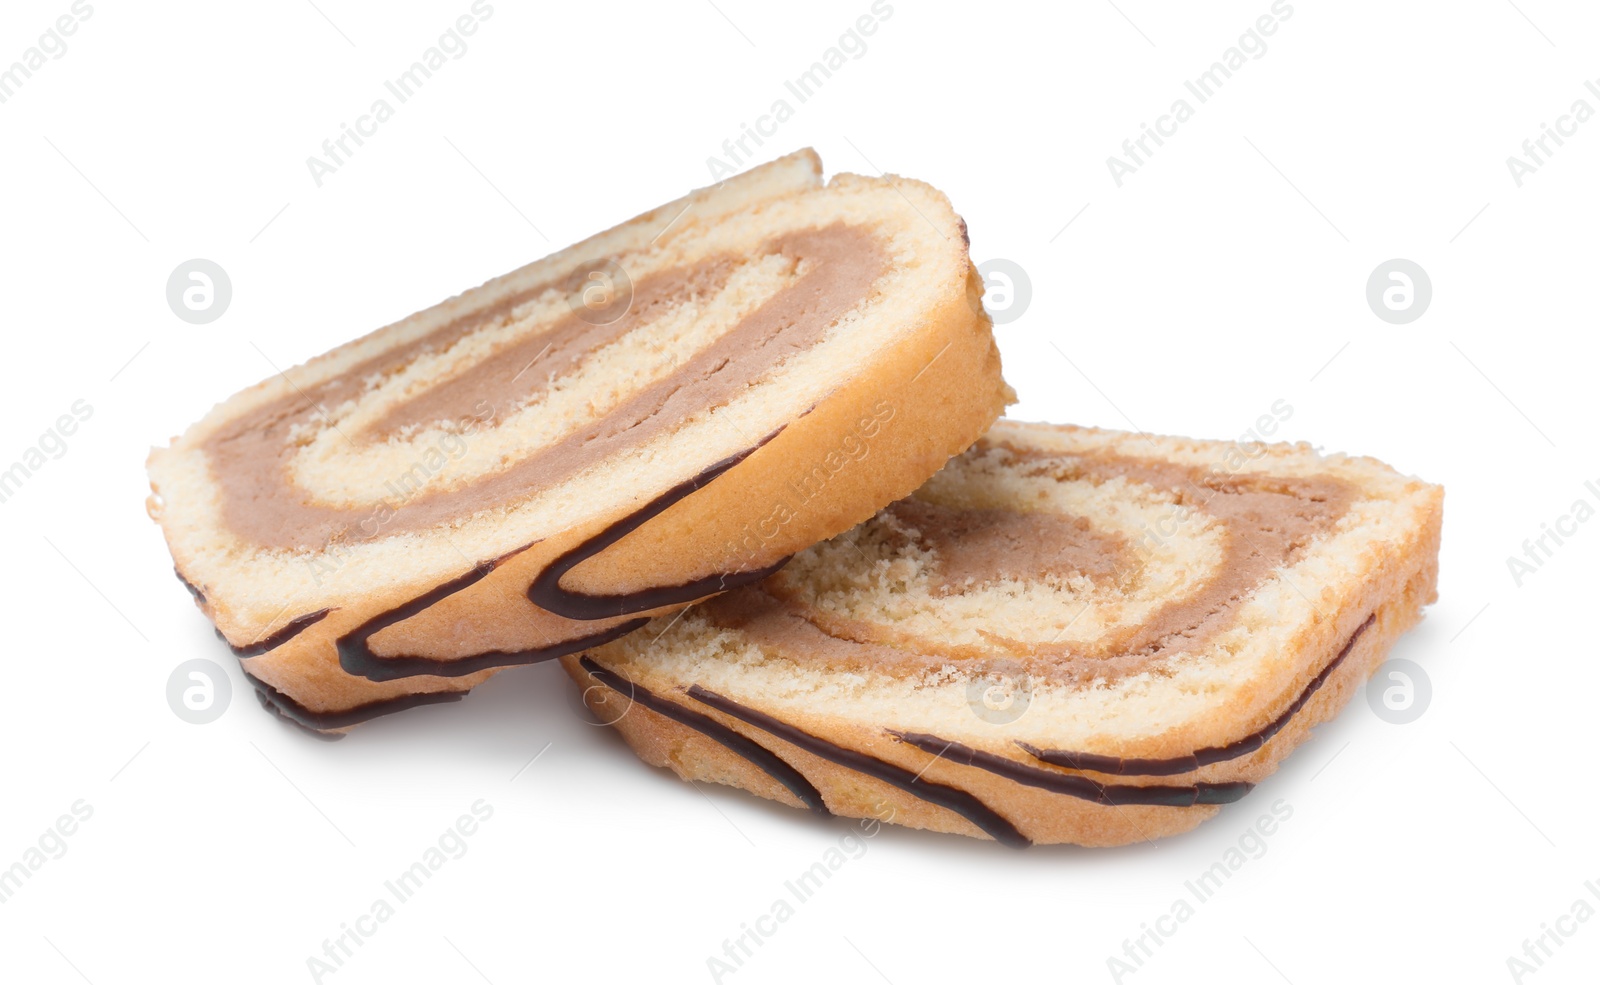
[[1269, 521], [251, 455], [973, 547]]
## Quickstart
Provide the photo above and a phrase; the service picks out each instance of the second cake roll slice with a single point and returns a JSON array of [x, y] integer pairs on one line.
[[1067, 635], [654, 415]]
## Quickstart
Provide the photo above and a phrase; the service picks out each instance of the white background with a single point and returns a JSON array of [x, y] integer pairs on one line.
[[1226, 274]]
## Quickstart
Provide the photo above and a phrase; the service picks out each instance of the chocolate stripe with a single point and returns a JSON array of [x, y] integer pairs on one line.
[[1077, 786], [1120, 766], [267, 704], [199, 596], [290, 629], [760, 756], [357, 658], [324, 720], [546, 591], [950, 798]]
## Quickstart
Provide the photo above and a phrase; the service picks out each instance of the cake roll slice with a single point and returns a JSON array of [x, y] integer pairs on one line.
[[654, 415], [1067, 635]]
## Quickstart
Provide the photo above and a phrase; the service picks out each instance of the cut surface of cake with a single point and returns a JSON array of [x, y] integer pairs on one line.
[[656, 414], [1067, 635]]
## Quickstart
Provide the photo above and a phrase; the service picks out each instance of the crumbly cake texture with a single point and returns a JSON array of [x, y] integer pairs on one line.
[[645, 418], [1067, 635]]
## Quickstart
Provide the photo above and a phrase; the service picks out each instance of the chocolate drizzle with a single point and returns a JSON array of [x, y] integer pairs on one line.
[[290, 630], [546, 591], [1108, 794], [1119, 766], [950, 798], [278, 713], [768, 761], [357, 658], [322, 721], [199, 596]]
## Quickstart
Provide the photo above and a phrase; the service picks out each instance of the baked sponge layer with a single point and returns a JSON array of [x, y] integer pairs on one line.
[[646, 418], [1066, 635]]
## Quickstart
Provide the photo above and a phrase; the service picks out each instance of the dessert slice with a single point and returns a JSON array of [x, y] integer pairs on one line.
[[1066, 635], [659, 413]]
